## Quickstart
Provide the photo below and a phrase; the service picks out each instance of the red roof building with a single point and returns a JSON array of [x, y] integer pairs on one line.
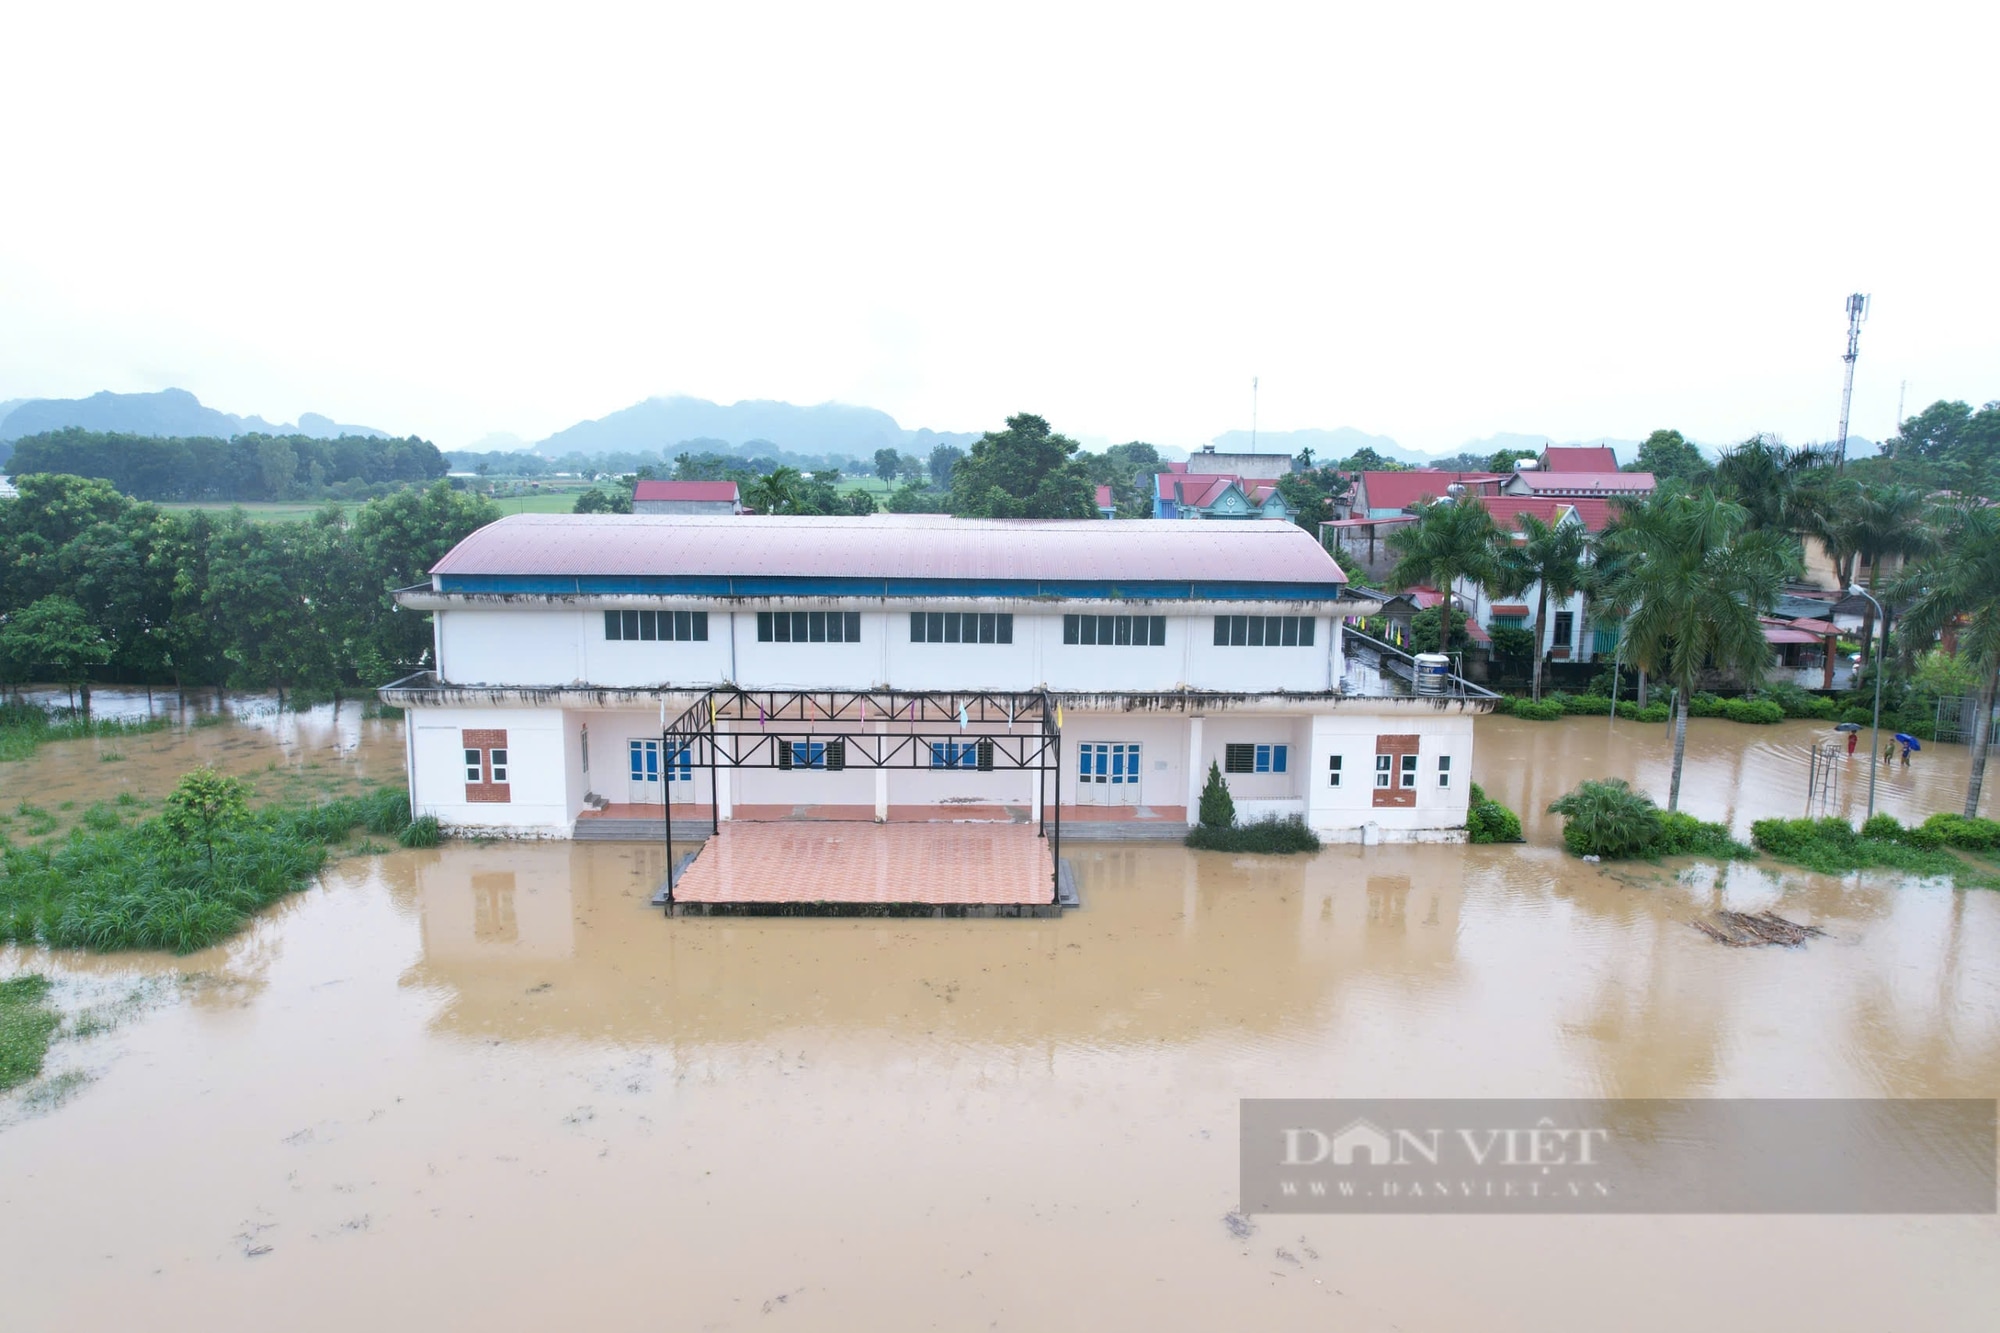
[[1580, 483], [1380, 494], [686, 497], [1581, 458], [1595, 511]]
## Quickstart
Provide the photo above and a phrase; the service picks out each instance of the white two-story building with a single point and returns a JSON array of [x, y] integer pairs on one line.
[[566, 644]]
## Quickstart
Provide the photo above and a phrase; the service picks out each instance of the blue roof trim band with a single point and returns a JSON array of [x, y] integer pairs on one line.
[[669, 585]]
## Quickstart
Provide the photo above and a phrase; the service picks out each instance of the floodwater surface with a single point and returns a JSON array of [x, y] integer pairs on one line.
[[484, 1086]]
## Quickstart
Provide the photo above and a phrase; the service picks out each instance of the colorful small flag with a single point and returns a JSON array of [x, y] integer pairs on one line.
[[1058, 717], [961, 717]]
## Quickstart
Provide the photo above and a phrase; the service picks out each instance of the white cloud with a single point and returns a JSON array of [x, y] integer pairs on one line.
[[1432, 223]]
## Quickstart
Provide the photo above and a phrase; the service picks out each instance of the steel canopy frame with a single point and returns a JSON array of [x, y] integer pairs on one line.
[[909, 719]]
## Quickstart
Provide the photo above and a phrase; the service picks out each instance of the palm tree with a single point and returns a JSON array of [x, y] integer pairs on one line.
[[1879, 522], [1451, 540], [1696, 578], [1788, 490], [1552, 559], [776, 493], [1959, 587]]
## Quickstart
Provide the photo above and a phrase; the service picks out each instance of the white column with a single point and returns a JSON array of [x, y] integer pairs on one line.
[[1197, 773], [725, 784], [881, 779]]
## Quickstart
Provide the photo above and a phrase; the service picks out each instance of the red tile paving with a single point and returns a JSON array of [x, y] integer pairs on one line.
[[900, 814], [835, 862]]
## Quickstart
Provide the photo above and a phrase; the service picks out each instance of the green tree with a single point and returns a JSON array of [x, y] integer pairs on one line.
[[1218, 807], [1313, 493], [776, 492], [203, 805], [1775, 485], [1451, 540], [1505, 460], [1128, 469], [1957, 588], [943, 459], [1879, 522], [1365, 459], [1667, 454], [1696, 579], [1551, 559], [887, 464], [1025, 471], [394, 541], [597, 500], [910, 498], [55, 634]]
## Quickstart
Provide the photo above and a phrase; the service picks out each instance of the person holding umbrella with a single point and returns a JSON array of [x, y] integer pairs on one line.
[[1909, 743]]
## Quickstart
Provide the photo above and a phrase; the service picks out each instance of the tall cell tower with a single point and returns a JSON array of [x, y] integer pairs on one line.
[[1857, 311]]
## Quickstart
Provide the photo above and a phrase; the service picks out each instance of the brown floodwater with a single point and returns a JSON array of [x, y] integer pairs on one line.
[[487, 1087]]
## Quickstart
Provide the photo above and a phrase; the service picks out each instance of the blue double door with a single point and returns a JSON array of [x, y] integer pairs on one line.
[[645, 769], [1107, 773]]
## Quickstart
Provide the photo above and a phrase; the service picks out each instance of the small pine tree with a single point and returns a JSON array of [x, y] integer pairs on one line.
[[1218, 810]]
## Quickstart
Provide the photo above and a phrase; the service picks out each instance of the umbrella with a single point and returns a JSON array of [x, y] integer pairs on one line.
[[1905, 738], [1848, 726]]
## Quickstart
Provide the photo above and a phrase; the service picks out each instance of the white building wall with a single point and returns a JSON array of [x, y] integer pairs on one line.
[[560, 646], [540, 798], [1341, 812]]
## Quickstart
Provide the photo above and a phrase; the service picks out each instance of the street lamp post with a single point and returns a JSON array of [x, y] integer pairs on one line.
[[1875, 660]]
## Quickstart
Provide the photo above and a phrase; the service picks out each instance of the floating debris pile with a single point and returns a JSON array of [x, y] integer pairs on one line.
[[1754, 930]]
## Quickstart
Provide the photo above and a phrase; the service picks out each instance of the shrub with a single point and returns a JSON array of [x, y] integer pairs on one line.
[[1607, 818], [422, 832], [1504, 705], [1757, 712], [1490, 821], [1681, 834], [1587, 705], [1971, 835], [1218, 807], [1275, 836], [1833, 847], [1705, 704], [1548, 710], [1859, 716], [1884, 827]]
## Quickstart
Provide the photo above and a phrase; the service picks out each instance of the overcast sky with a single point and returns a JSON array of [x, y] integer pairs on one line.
[[1427, 224]]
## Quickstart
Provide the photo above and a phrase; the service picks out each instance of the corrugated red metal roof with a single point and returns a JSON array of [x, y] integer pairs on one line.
[[1510, 610], [718, 492], [1400, 490], [1581, 458], [1588, 483], [891, 546], [1785, 634], [1595, 511]]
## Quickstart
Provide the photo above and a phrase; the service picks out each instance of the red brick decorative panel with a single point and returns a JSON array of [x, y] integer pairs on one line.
[[486, 791], [1396, 795]]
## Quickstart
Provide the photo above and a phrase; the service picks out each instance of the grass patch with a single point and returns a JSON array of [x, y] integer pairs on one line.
[[1836, 847], [423, 832], [1608, 820], [147, 887], [1276, 836], [26, 727], [26, 1025]]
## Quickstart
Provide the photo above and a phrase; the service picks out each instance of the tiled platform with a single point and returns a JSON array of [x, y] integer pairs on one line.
[[834, 868]]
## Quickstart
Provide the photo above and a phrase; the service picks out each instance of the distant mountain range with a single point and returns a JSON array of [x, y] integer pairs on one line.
[[168, 412], [661, 424]]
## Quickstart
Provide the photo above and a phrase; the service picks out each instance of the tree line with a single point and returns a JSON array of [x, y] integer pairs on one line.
[[1687, 572], [247, 468], [96, 586]]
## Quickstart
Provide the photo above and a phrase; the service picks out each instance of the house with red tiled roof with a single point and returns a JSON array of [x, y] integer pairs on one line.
[[1181, 494], [1565, 634], [1386, 494], [1579, 458], [1604, 485], [1106, 506]]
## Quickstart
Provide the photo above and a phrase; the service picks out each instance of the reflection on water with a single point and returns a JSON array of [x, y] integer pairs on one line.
[[487, 1085]]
